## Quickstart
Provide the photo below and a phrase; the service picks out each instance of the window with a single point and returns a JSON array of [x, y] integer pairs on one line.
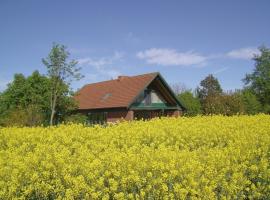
[[97, 117], [148, 96], [156, 98]]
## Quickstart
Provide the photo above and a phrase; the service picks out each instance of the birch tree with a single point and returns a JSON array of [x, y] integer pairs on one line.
[[60, 71]]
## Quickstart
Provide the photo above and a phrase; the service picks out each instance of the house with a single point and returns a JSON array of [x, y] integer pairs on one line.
[[128, 97]]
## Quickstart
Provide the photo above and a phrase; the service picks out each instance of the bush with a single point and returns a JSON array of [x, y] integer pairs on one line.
[[76, 118], [30, 116]]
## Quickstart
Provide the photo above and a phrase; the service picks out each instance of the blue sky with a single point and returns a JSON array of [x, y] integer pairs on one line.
[[183, 40]]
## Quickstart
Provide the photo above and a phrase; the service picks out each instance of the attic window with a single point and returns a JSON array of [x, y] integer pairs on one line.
[[106, 96]]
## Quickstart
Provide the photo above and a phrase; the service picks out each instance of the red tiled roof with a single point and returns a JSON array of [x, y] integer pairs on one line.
[[114, 93]]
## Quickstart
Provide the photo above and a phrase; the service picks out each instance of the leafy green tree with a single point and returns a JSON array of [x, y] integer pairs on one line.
[[250, 102], [259, 80], [209, 87], [230, 104], [60, 71], [191, 103], [24, 96], [26, 101], [209, 94]]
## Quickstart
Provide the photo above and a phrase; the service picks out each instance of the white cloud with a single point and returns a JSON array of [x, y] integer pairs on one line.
[[103, 68], [243, 53], [100, 62], [171, 57]]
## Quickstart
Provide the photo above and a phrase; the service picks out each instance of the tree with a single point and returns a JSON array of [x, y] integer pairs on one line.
[[259, 80], [209, 92], [209, 87], [24, 96], [60, 72], [190, 102], [25, 102], [230, 103], [250, 102]]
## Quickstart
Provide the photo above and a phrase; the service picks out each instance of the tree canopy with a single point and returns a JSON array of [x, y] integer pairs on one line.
[[209, 92], [259, 80], [190, 102], [30, 97]]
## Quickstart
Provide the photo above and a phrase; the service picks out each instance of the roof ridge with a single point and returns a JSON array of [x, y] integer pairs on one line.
[[152, 73]]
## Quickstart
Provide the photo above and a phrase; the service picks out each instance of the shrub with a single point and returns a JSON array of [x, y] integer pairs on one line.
[[77, 119]]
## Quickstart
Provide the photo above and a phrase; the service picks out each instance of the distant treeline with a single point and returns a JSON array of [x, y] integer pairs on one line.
[[209, 98], [47, 99]]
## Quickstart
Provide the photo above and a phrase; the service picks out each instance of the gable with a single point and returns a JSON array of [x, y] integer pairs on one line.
[[157, 95]]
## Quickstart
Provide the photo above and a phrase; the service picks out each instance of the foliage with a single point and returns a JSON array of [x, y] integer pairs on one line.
[[30, 116], [259, 80], [60, 72], [191, 103], [203, 157], [250, 102], [26, 101], [209, 94], [76, 118], [209, 87]]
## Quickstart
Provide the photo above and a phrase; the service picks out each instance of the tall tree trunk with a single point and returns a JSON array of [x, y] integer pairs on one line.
[[52, 117], [53, 105]]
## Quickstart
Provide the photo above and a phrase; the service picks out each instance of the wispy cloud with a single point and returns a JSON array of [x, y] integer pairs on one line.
[[220, 70], [243, 53], [171, 57], [100, 62], [102, 67]]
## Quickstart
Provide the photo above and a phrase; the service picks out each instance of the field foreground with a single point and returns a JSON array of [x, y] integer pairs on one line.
[[170, 158]]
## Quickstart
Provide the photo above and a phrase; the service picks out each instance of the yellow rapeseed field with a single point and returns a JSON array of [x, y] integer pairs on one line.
[[202, 157]]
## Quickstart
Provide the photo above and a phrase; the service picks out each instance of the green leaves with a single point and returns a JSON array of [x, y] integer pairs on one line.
[[191, 103], [61, 72], [26, 101], [259, 80]]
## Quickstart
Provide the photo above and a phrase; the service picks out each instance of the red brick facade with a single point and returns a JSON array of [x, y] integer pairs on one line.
[[114, 116], [123, 114]]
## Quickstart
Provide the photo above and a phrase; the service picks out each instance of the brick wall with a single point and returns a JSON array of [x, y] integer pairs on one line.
[[173, 113], [123, 114], [114, 116]]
